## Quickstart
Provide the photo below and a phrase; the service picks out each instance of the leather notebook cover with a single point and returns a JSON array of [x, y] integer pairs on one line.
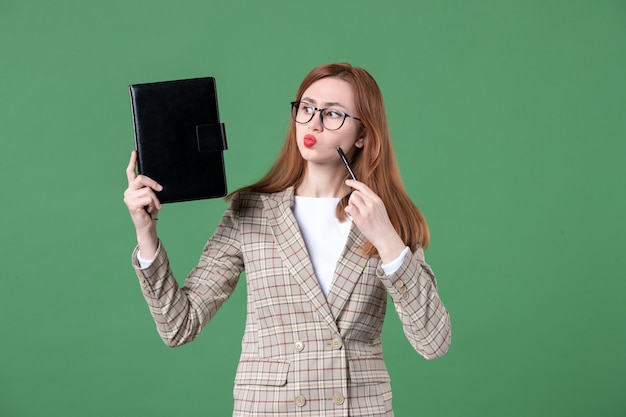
[[179, 138]]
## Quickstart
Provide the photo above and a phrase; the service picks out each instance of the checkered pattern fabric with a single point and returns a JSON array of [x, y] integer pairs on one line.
[[302, 354]]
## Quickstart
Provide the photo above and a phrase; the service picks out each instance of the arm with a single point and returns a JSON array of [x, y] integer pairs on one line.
[[412, 286], [143, 206], [425, 319], [180, 313]]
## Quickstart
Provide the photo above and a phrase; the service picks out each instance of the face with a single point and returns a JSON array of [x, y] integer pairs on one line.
[[318, 144]]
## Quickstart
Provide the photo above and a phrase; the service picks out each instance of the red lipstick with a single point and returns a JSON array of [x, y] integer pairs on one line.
[[309, 141]]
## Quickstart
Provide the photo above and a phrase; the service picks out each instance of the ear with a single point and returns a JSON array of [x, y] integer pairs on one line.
[[360, 142]]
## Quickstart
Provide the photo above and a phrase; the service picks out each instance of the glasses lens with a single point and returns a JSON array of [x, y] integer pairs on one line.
[[302, 112], [333, 119]]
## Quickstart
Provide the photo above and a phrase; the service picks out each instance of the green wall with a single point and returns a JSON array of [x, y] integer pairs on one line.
[[509, 123]]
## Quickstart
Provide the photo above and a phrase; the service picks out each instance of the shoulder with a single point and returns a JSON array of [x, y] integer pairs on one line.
[[248, 200]]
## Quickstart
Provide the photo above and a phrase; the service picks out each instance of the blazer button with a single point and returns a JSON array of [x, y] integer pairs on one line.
[[299, 346], [337, 343], [338, 398], [300, 401], [399, 284]]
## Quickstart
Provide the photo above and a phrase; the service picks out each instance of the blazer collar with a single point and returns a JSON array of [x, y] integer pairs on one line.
[[296, 257]]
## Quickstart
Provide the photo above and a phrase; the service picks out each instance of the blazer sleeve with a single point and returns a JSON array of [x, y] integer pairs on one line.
[[425, 319], [181, 312]]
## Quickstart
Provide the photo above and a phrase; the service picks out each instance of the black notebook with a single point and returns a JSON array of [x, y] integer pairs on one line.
[[179, 139]]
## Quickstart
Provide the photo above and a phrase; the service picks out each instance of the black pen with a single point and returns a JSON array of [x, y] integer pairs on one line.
[[345, 161]]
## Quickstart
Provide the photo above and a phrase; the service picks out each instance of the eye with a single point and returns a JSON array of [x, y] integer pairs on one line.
[[333, 114], [307, 108]]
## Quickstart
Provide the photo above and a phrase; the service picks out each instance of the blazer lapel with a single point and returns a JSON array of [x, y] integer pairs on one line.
[[293, 250], [349, 269]]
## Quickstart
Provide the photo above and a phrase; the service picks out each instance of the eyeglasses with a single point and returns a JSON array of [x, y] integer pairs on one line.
[[332, 119]]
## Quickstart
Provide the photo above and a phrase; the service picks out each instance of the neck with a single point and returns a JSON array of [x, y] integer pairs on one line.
[[323, 182]]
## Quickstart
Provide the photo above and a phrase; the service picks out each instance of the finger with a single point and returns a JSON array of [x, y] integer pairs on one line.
[[130, 169], [138, 181], [353, 183], [154, 214], [355, 206], [139, 212], [154, 202], [350, 211], [139, 201], [356, 199], [358, 185], [143, 198], [362, 200], [142, 181]]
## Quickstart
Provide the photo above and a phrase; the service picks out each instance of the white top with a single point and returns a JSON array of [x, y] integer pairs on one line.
[[324, 235]]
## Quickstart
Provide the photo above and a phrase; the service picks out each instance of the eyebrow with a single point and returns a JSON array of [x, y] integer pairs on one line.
[[328, 104]]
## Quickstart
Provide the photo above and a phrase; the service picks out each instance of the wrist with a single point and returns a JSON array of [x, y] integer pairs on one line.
[[391, 250], [148, 242]]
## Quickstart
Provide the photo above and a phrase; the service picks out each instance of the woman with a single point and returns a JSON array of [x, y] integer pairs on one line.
[[320, 251]]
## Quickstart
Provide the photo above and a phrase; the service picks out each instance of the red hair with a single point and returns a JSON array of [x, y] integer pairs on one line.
[[374, 164]]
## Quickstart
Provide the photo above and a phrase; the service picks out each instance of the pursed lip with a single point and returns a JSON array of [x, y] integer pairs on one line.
[[309, 140]]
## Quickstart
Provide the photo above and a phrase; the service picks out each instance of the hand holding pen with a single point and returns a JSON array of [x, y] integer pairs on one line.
[[368, 212]]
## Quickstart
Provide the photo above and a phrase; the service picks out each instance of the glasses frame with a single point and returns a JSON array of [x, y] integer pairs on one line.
[[294, 111]]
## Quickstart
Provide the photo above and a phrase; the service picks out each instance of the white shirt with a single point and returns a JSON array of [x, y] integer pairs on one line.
[[324, 236]]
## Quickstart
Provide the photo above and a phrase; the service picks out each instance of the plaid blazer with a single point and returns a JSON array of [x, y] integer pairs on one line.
[[302, 354]]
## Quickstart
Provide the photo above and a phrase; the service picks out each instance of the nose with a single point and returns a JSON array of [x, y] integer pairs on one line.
[[316, 122]]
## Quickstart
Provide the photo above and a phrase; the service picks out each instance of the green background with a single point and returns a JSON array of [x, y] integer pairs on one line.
[[508, 119]]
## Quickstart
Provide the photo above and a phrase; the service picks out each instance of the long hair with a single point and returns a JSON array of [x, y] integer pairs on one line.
[[374, 164]]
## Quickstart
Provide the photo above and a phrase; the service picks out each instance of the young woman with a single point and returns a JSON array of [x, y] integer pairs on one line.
[[320, 251]]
